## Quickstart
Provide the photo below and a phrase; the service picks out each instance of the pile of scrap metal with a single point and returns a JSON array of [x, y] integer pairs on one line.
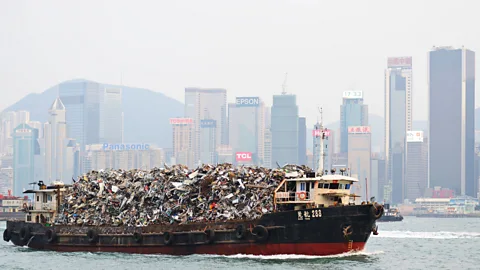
[[173, 195]]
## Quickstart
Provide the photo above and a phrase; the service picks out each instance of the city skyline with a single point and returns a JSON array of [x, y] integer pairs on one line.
[[212, 130]]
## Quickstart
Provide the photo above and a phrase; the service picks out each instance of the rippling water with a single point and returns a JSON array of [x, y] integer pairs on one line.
[[415, 243]]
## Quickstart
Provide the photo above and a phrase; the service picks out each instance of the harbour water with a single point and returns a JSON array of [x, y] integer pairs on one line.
[[414, 243]]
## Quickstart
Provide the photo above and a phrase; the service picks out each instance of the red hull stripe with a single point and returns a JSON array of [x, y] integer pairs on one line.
[[316, 249]]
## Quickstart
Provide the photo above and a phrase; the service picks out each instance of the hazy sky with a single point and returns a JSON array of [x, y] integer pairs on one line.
[[245, 46]]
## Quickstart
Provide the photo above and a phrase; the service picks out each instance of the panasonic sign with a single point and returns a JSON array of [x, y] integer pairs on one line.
[[247, 101], [126, 146]]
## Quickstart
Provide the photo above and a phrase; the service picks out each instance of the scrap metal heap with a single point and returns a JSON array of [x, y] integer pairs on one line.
[[172, 195]]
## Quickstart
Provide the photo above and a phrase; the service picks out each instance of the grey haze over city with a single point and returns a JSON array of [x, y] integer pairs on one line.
[[246, 47]]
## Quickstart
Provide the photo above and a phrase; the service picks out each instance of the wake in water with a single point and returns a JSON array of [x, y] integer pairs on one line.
[[295, 257], [428, 235]]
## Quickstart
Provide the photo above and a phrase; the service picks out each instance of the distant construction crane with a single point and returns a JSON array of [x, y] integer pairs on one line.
[[284, 85]]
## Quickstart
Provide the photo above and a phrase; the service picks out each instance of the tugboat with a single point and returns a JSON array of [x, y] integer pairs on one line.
[[313, 215], [391, 214]]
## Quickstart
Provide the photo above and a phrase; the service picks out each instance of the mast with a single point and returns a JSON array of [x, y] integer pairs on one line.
[[320, 159]]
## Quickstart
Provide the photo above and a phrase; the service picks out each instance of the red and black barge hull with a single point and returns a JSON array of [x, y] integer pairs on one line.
[[318, 231]]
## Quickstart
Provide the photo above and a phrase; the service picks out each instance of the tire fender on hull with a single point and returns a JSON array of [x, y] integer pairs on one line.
[[240, 231], [137, 237], [260, 233], [209, 236], [25, 233], [51, 236], [168, 238], [7, 235], [377, 211], [92, 236]]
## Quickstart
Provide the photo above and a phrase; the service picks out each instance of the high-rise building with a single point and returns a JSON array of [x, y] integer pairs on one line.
[[207, 104], [398, 120], [246, 127], [25, 147], [451, 84], [82, 103], [71, 160], [378, 176], [11, 120], [416, 176], [124, 156], [6, 180], [22, 117], [111, 115], [302, 141], [55, 135], [284, 129], [37, 125], [208, 141], [267, 159], [183, 131], [327, 147], [352, 113], [359, 159]]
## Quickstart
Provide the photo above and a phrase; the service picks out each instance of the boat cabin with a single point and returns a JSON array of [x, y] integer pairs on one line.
[[45, 204], [313, 191]]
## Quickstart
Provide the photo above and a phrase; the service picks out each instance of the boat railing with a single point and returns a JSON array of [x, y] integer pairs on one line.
[[293, 197]]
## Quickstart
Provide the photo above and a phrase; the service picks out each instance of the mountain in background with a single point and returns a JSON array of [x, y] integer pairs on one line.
[[146, 113]]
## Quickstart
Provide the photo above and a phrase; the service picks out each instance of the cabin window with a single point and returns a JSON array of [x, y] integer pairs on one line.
[[347, 186], [303, 186], [29, 218], [44, 197], [38, 198], [341, 186], [326, 185], [49, 198], [333, 186], [312, 185], [48, 219]]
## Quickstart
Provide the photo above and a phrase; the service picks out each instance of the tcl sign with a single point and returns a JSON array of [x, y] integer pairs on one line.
[[243, 156]]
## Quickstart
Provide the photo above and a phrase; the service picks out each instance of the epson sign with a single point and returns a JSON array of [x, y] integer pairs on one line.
[[247, 101]]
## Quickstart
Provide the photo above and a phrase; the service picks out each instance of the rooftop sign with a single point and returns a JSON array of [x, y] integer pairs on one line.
[[359, 130], [247, 101], [414, 136], [353, 94], [208, 123], [399, 61], [125, 147], [181, 121]]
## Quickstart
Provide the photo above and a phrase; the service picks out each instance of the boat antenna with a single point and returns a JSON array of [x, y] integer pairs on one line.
[[322, 135]]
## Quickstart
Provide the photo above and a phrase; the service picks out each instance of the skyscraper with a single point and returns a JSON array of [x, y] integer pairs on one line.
[[11, 120], [246, 126], [82, 104], [208, 141], [25, 147], [284, 128], [416, 175], [302, 141], [55, 139], [352, 113], [111, 115], [359, 158], [207, 104], [451, 84], [183, 131], [327, 147], [398, 120]]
